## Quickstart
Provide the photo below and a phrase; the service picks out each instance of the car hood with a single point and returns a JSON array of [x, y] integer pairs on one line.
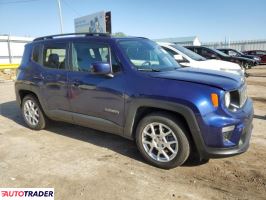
[[222, 80], [250, 56], [216, 64]]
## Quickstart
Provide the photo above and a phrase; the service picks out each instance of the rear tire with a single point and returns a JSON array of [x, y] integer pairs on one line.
[[162, 140], [32, 113]]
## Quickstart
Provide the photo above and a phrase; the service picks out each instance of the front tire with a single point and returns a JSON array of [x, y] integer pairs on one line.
[[162, 140], [32, 113], [245, 65]]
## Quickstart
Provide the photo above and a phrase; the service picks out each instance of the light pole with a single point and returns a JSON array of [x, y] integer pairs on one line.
[[60, 15]]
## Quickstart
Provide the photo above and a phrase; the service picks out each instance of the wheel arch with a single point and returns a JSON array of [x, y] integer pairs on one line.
[[140, 108], [22, 89], [22, 93]]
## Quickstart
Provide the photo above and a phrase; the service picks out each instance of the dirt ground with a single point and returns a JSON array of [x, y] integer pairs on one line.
[[9, 74], [81, 163]]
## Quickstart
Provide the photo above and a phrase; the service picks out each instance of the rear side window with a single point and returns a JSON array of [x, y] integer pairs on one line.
[[85, 54], [35, 53], [206, 53], [54, 55]]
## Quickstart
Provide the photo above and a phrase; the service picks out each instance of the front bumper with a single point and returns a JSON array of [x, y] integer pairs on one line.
[[213, 143], [243, 145]]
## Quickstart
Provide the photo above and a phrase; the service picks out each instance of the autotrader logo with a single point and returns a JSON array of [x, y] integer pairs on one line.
[[27, 193]]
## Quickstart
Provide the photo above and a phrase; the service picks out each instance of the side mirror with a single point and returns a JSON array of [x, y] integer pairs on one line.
[[178, 58], [101, 68]]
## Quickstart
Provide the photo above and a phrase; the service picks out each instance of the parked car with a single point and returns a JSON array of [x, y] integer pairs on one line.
[[188, 58], [211, 53], [259, 53], [133, 88], [235, 53]]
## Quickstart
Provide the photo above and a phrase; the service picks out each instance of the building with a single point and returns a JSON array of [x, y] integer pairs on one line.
[[11, 48], [193, 40]]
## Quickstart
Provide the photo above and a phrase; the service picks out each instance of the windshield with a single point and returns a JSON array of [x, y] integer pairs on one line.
[[240, 53], [189, 53], [219, 52], [146, 55]]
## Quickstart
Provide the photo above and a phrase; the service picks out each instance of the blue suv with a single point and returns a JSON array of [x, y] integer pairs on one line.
[[134, 88]]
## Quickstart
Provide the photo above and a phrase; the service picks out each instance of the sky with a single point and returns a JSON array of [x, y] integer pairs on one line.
[[210, 20]]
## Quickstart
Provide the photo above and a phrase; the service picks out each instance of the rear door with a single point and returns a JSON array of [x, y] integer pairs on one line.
[[96, 100], [55, 79]]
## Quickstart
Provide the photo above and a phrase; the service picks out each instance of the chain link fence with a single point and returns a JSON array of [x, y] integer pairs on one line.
[[11, 48], [244, 45]]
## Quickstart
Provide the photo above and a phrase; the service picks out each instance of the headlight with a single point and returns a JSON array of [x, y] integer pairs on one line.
[[227, 99]]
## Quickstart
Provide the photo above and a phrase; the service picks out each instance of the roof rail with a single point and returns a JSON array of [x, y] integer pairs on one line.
[[48, 37]]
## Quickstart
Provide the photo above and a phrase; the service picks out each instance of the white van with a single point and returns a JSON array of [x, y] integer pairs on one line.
[[188, 58]]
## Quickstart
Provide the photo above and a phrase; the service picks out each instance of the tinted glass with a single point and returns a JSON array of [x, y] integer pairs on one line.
[[35, 53], [85, 54], [189, 53], [219, 52], [207, 53], [54, 55], [239, 53]]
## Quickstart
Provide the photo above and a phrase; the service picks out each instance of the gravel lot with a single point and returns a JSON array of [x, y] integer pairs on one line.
[[81, 163]]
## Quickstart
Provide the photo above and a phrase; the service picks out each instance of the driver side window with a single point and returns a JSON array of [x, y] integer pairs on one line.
[[232, 53], [207, 54], [85, 54]]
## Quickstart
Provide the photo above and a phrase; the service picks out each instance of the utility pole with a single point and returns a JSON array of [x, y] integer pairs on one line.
[[60, 15]]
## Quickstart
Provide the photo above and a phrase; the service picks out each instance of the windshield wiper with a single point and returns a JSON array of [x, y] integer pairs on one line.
[[149, 69]]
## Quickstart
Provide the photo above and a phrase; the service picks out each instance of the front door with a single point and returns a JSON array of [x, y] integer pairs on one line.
[[96, 101]]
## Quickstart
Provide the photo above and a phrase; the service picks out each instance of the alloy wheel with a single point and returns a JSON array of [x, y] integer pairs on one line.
[[31, 112], [159, 142]]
